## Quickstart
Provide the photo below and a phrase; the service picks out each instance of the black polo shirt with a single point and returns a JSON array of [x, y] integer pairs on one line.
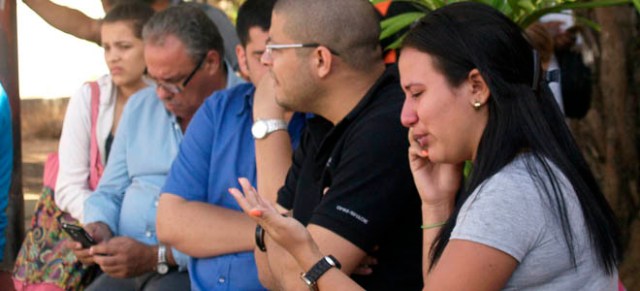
[[371, 198]]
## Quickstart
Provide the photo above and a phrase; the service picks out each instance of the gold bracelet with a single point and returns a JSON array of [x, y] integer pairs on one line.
[[433, 225]]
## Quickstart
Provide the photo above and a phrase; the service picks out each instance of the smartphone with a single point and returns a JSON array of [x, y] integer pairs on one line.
[[78, 234]]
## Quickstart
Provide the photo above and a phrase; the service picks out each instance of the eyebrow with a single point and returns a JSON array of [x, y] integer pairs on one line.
[[167, 80], [408, 86]]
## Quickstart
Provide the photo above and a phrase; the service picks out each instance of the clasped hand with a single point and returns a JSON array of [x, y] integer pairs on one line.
[[119, 257]]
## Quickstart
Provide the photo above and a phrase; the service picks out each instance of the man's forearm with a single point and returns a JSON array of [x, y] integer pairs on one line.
[[273, 159], [203, 230]]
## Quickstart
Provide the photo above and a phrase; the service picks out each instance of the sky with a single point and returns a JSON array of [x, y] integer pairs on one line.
[[53, 64]]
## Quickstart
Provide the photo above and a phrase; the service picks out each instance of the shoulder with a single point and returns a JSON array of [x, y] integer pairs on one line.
[[144, 98], [237, 96], [381, 118]]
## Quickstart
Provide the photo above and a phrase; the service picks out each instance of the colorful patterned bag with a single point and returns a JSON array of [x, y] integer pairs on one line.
[[44, 263]]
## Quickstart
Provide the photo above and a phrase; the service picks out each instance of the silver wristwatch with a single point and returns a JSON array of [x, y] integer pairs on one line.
[[163, 266], [263, 127]]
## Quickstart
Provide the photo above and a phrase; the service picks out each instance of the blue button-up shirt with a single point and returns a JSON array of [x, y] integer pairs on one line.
[[217, 149], [146, 142]]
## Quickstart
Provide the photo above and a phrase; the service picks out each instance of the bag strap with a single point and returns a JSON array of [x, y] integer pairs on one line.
[[96, 162]]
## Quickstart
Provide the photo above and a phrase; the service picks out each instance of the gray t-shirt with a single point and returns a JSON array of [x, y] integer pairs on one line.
[[510, 213]]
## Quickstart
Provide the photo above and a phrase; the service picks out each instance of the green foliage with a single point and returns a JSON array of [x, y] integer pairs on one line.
[[522, 12]]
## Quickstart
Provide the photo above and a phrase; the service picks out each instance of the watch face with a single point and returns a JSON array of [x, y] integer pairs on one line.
[[259, 129], [163, 269]]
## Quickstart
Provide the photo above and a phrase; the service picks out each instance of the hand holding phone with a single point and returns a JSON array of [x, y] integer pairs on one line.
[[78, 234]]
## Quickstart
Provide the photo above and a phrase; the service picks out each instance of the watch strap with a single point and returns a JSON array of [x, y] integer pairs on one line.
[[269, 126], [322, 266], [162, 254], [162, 266]]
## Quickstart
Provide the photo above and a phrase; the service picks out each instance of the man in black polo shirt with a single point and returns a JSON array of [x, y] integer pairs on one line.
[[349, 181]]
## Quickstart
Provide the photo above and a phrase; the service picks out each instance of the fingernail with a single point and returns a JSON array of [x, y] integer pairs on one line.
[[424, 153], [255, 212]]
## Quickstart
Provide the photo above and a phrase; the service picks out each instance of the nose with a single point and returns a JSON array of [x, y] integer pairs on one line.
[[110, 56], [163, 93], [408, 116], [265, 58]]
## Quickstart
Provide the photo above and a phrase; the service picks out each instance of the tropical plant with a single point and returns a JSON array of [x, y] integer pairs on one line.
[[522, 12]]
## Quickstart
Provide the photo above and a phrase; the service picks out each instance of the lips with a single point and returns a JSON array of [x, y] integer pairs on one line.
[[116, 70], [421, 139]]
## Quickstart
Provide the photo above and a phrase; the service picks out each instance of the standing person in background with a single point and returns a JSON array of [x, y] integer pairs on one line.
[[543, 42], [80, 25], [92, 117], [6, 167]]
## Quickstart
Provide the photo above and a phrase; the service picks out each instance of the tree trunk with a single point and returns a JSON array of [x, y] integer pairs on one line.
[[609, 133]]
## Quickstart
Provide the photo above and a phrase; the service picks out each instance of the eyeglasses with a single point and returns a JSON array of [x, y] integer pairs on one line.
[[269, 48], [178, 88]]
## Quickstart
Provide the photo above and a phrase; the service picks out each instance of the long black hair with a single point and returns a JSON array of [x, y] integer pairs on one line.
[[523, 116]]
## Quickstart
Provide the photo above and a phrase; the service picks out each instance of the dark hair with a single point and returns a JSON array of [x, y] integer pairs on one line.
[[523, 116], [332, 23], [190, 25], [137, 13], [253, 13]]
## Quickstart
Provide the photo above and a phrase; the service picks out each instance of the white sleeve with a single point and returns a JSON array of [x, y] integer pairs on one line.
[[72, 186]]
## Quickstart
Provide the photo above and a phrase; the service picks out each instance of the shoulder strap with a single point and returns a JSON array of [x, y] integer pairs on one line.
[[96, 167]]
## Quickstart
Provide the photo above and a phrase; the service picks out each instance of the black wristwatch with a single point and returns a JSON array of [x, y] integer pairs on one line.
[[260, 238], [311, 277]]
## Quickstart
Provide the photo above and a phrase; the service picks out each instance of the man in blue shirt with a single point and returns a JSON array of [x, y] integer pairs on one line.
[[184, 55], [196, 215]]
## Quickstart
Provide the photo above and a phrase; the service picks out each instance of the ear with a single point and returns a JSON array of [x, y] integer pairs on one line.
[[322, 61], [213, 62], [241, 53], [479, 89]]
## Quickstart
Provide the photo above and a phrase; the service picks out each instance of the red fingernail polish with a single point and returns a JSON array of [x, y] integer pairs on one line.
[[255, 212], [424, 153]]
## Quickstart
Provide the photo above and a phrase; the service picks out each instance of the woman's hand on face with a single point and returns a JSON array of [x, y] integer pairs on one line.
[[286, 231], [437, 183]]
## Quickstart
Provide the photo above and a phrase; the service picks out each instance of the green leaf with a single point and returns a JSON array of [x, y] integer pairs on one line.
[[588, 22], [396, 44], [394, 24], [636, 3], [527, 5]]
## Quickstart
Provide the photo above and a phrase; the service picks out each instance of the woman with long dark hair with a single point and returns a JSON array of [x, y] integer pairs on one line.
[[530, 215]]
